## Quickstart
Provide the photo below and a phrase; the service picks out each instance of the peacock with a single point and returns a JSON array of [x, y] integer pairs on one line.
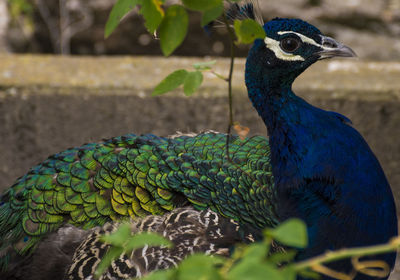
[[315, 166]]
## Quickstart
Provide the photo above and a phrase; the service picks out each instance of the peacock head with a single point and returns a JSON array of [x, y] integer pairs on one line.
[[290, 47]]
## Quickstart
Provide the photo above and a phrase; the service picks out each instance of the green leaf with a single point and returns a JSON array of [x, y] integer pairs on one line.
[[288, 273], [120, 9], [282, 257], [153, 14], [254, 271], [201, 5], [119, 237], [192, 82], [256, 251], [171, 82], [204, 65], [146, 238], [212, 14], [122, 241], [248, 30], [292, 232], [19, 7], [199, 266], [173, 29], [112, 254], [160, 275]]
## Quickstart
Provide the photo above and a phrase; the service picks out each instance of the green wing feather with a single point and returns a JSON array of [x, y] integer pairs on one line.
[[135, 176]]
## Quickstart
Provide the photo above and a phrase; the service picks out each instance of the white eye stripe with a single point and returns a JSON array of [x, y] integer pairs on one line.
[[303, 38], [274, 46]]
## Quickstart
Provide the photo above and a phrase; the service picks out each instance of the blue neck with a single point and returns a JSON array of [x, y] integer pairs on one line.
[[278, 106]]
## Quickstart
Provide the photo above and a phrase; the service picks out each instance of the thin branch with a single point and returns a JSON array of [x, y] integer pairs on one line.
[[51, 24], [64, 21], [315, 263], [331, 273], [218, 75], [232, 44], [231, 123], [69, 28]]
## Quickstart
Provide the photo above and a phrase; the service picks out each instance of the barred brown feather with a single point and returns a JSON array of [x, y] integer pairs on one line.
[[189, 230]]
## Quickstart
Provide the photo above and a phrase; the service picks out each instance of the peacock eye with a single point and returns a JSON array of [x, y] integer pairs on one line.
[[290, 44]]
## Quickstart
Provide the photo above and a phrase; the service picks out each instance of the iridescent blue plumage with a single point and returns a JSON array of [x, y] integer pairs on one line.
[[324, 171]]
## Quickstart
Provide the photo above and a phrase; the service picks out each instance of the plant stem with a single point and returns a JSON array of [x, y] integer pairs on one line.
[[232, 38], [219, 75], [232, 45], [347, 253]]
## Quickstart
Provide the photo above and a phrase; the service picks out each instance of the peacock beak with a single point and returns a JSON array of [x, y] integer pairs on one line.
[[332, 48]]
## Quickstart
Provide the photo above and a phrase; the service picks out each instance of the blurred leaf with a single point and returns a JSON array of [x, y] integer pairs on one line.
[[201, 5], [153, 14], [256, 251], [123, 241], [212, 14], [254, 271], [282, 257], [161, 275], [119, 237], [119, 10], [288, 273], [112, 254], [20, 7], [204, 65], [192, 82], [146, 238], [199, 266], [292, 232], [173, 29], [248, 30], [171, 82]]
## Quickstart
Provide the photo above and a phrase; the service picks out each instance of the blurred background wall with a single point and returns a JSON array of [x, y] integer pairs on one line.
[[371, 27]]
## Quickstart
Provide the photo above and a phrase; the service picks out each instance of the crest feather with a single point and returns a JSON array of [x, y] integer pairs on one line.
[[244, 10]]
